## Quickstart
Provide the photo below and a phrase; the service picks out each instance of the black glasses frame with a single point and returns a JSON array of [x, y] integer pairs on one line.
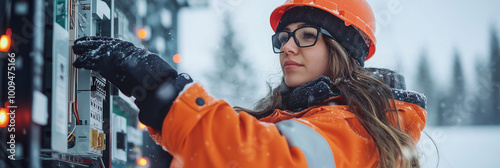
[[292, 34]]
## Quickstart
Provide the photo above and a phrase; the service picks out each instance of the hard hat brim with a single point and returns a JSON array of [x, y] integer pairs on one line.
[[348, 17]]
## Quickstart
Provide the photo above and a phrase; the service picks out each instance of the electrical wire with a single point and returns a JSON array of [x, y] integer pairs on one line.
[[72, 135], [72, 131], [102, 162], [71, 14], [76, 112], [93, 162], [83, 17]]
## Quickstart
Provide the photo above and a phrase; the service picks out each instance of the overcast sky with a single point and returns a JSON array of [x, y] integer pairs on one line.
[[404, 28]]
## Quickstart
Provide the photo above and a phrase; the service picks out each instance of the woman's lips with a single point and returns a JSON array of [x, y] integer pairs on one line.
[[289, 64]]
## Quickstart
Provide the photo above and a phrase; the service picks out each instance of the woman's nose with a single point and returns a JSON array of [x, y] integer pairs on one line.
[[290, 46]]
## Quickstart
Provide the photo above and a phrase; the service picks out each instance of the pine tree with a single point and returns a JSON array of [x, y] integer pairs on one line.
[[458, 77], [484, 112], [232, 79], [424, 75], [495, 74], [426, 86], [458, 93]]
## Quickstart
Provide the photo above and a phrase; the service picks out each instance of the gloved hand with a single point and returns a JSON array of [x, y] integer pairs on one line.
[[135, 71]]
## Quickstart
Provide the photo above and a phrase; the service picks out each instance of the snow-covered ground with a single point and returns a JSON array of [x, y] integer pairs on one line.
[[461, 146]]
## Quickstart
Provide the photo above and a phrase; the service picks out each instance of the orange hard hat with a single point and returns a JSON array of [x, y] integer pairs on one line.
[[353, 12]]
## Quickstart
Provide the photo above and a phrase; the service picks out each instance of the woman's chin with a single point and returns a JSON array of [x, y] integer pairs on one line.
[[293, 82]]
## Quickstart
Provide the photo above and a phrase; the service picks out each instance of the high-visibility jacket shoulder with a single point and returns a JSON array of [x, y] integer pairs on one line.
[[200, 131]]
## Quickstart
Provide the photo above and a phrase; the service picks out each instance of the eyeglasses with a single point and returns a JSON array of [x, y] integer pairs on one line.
[[306, 36]]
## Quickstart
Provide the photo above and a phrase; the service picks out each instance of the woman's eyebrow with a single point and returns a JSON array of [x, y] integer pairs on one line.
[[302, 25], [298, 26]]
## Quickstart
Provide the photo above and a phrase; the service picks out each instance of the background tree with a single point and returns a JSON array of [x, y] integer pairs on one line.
[[495, 73], [426, 86], [483, 111], [232, 78], [457, 94]]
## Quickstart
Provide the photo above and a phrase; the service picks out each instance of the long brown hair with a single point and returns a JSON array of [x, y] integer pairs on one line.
[[368, 98]]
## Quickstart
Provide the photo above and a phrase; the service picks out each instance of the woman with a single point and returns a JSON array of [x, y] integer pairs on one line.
[[329, 111]]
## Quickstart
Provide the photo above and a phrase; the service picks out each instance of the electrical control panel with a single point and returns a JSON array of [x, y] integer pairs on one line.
[[70, 117], [90, 15], [60, 90], [89, 135], [119, 143]]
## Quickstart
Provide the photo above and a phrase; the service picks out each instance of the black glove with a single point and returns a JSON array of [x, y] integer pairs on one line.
[[135, 71]]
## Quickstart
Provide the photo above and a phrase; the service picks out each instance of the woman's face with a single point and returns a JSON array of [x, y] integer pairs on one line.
[[301, 65]]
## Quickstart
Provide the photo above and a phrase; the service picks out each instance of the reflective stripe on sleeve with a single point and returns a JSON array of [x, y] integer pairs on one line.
[[315, 148]]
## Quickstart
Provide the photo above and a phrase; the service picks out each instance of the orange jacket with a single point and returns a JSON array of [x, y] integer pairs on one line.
[[200, 131]]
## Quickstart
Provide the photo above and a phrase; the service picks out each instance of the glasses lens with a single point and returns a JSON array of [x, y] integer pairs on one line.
[[306, 36], [279, 39]]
